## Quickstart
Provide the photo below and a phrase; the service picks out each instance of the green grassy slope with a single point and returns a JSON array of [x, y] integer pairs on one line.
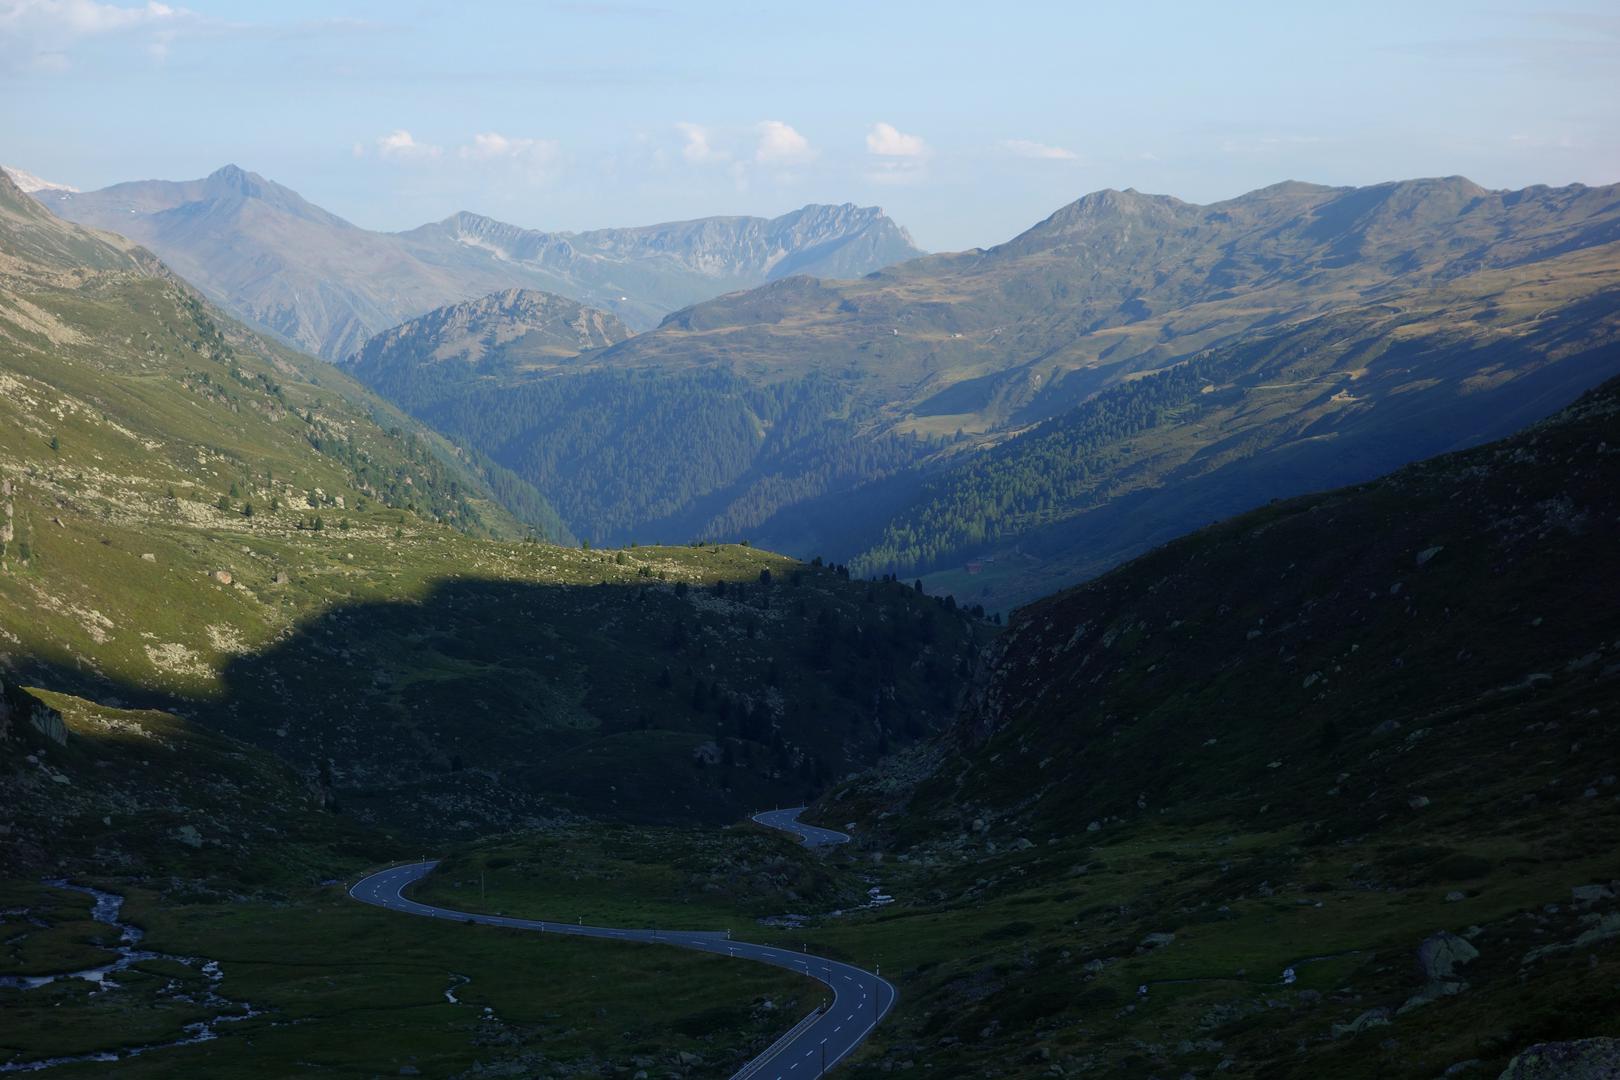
[[426, 674], [1308, 738]]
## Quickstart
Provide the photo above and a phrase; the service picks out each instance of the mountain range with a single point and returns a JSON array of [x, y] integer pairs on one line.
[[274, 259], [1009, 420]]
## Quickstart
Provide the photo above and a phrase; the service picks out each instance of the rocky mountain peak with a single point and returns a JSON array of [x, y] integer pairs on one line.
[[28, 182]]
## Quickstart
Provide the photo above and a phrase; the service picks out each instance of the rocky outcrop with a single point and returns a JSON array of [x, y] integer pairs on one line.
[[18, 706], [1440, 958], [1582, 1059], [503, 330]]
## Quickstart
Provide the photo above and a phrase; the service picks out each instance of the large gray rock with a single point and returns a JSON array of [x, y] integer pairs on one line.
[[1583, 1059], [1439, 958], [1442, 954]]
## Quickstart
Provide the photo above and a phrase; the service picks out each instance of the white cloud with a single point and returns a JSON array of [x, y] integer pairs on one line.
[[699, 144], [779, 144], [532, 159], [77, 18], [885, 140], [401, 145], [493, 146], [40, 33], [899, 158], [1026, 148]]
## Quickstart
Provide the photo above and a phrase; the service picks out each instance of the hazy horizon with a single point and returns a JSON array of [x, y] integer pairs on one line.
[[570, 116]]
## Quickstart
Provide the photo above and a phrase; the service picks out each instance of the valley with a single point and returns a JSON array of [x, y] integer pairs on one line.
[[1180, 639]]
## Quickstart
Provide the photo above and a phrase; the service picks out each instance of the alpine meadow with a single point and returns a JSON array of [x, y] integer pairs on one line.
[[981, 543]]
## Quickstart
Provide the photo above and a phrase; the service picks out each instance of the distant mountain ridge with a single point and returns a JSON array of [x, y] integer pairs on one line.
[[1017, 418], [324, 284], [682, 262]]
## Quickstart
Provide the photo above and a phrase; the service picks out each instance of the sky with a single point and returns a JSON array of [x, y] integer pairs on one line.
[[967, 122]]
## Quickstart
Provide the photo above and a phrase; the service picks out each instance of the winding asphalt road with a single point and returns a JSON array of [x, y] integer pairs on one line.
[[859, 1000], [788, 821]]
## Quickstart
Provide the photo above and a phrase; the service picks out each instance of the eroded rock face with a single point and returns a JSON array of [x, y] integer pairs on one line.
[[1582, 1059]]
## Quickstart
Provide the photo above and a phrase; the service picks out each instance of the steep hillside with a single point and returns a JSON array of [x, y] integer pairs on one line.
[[1325, 789], [110, 359], [200, 521], [1328, 401], [274, 259]]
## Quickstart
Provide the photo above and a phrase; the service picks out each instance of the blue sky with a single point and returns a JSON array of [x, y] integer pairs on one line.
[[968, 122]]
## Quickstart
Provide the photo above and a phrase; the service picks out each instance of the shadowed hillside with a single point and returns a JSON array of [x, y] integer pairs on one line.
[[1324, 789]]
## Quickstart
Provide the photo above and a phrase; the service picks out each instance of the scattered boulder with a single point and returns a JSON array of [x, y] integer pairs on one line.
[[281, 578], [1582, 1059], [148, 557], [1442, 954], [1590, 894], [1157, 941], [1606, 928], [189, 836], [221, 576], [1370, 1019], [1428, 553], [1439, 958]]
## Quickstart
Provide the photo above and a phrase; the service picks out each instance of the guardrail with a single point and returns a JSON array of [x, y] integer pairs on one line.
[[764, 1059]]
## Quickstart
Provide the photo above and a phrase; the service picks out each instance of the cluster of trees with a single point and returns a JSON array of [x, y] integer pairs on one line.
[[672, 454], [877, 671], [1062, 466]]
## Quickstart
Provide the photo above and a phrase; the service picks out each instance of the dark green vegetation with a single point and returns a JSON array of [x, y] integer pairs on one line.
[[613, 875], [330, 285], [1129, 369], [1333, 782], [1311, 737], [641, 453]]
